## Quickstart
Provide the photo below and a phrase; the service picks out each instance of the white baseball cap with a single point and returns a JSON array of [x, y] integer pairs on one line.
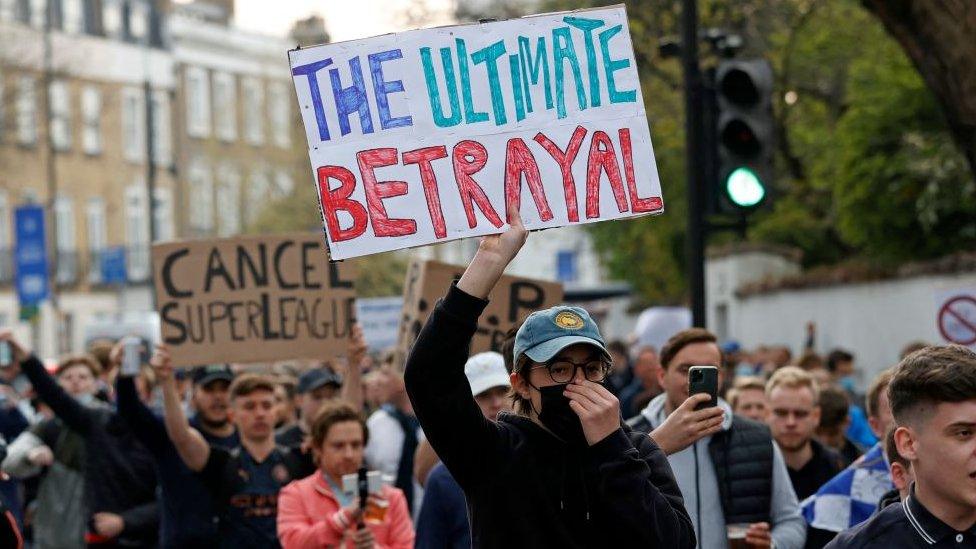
[[486, 370]]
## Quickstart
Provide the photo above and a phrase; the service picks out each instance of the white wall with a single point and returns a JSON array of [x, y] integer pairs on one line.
[[872, 320]]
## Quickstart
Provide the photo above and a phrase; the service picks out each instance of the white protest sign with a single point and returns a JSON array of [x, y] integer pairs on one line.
[[426, 136], [379, 317]]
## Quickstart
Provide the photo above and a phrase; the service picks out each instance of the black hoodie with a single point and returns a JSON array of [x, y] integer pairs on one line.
[[525, 487]]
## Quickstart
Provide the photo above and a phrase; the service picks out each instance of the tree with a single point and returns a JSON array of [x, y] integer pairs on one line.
[[938, 38]]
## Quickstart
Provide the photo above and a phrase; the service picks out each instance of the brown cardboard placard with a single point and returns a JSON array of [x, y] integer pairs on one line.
[[511, 301], [252, 299]]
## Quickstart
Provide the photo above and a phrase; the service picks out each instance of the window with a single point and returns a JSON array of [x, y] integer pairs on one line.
[[229, 201], [253, 111], [112, 18], [64, 237], [91, 120], [38, 13], [197, 102], [201, 198], [138, 20], [72, 16], [225, 106], [279, 115], [137, 231], [257, 194], [133, 124], [283, 184], [60, 115], [162, 136], [163, 213], [566, 266], [8, 10], [26, 111], [97, 237]]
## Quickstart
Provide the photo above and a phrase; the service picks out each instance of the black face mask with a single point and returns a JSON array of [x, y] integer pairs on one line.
[[559, 418]]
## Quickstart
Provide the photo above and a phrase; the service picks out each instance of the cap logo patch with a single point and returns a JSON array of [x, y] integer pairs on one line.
[[568, 320]]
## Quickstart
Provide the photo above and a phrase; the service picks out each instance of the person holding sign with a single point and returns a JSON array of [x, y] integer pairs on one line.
[[318, 511], [562, 471]]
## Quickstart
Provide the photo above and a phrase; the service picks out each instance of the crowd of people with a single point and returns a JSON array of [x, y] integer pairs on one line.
[[563, 439]]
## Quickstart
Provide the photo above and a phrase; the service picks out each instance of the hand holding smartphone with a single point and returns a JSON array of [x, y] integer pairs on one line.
[[703, 379], [131, 363], [6, 354]]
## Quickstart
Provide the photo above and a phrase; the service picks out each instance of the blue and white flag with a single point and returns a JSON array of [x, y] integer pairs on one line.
[[852, 496]]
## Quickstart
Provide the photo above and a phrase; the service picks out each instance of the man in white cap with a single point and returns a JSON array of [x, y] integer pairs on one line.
[[443, 520]]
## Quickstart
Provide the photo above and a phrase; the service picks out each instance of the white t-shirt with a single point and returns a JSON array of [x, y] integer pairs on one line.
[[384, 448]]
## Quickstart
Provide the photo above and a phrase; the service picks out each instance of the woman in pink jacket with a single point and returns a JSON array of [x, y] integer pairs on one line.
[[314, 512]]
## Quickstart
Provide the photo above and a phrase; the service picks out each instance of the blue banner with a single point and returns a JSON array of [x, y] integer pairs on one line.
[[112, 265], [30, 261]]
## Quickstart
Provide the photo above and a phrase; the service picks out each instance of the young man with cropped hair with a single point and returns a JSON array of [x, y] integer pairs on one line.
[[748, 398], [933, 401]]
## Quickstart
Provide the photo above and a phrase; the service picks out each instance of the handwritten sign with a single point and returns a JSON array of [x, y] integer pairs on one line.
[[252, 299], [429, 135], [513, 299]]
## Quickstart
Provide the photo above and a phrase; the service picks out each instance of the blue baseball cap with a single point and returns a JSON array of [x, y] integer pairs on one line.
[[319, 377], [545, 333]]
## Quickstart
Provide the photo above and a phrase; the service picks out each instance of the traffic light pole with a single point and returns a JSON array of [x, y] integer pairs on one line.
[[694, 160]]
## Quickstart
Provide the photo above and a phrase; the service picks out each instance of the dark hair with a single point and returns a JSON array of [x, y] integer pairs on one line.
[[617, 346], [330, 414], [684, 338], [810, 361], [289, 384], [250, 383], [834, 407], [519, 405], [508, 348], [891, 450], [836, 357], [911, 348], [873, 399], [70, 361], [944, 373]]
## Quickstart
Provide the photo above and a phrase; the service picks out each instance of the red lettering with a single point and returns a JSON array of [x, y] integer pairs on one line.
[[469, 189], [518, 161], [565, 161], [637, 204], [602, 159], [422, 158], [376, 191], [338, 200]]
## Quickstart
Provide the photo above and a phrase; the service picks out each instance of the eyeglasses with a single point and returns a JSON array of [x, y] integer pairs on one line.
[[562, 370]]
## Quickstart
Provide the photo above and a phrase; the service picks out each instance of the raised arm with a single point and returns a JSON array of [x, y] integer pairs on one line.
[[441, 396], [190, 444], [74, 414], [352, 382], [145, 425]]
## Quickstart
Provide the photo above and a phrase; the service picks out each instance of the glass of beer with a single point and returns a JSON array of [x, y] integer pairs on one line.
[[375, 512], [736, 534]]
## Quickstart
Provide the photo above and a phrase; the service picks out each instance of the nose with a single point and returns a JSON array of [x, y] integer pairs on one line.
[[578, 376]]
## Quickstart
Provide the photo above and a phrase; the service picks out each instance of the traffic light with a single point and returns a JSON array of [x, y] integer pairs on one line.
[[743, 135]]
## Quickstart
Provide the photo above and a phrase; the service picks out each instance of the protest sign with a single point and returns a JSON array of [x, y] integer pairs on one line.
[[252, 299], [428, 135], [509, 303], [379, 317]]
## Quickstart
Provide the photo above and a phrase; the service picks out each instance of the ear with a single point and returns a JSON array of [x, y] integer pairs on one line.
[[660, 371], [519, 384], [900, 476], [815, 415], [906, 442]]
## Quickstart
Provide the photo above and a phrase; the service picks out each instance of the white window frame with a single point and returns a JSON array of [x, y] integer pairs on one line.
[[253, 100], [162, 129], [64, 228], [38, 13], [225, 106], [26, 110], [136, 212], [163, 213], [95, 219], [283, 184], [228, 201], [201, 197], [91, 120], [133, 124], [138, 21], [112, 18], [60, 124], [5, 225], [197, 88], [279, 115], [73, 16]]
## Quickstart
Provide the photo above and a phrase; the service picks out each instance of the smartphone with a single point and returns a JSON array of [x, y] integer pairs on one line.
[[6, 355], [374, 483], [703, 379], [131, 362]]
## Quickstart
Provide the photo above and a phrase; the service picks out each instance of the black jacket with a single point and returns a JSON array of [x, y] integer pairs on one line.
[[524, 487], [119, 473]]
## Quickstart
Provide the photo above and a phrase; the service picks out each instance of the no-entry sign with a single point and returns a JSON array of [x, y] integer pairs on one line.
[[957, 319]]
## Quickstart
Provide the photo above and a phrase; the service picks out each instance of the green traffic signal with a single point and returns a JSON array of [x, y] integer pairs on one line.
[[744, 188]]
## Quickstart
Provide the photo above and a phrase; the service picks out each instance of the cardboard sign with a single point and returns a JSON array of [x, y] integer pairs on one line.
[[512, 300], [428, 135], [252, 299]]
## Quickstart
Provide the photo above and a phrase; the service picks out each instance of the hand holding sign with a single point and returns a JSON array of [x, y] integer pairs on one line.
[[161, 363], [494, 254]]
